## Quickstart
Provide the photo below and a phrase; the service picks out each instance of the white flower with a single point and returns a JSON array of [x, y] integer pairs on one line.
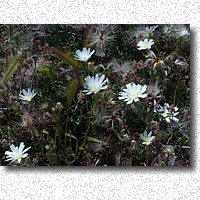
[[27, 96], [146, 44], [83, 55], [147, 138], [16, 153], [150, 30], [133, 92], [183, 32], [95, 84], [168, 112]]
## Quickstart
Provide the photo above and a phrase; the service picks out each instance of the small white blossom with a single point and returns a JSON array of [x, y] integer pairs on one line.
[[16, 153], [133, 92], [83, 55], [183, 32], [27, 96], [146, 44], [169, 113], [95, 84], [150, 30], [147, 138]]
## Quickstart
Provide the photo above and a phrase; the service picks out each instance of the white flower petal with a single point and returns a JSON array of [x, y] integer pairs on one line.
[[25, 150], [143, 95], [25, 155], [130, 101], [12, 147], [21, 147], [9, 153]]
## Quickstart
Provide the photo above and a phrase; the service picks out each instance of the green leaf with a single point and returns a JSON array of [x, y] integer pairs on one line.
[[71, 136], [72, 89], [68, 59], [8, 73], [92, 139]]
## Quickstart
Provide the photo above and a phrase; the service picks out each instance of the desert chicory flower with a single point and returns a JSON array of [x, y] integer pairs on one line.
[[147, 138], [83, 55], [95, 84], [16, 153], [167, 112], [27, 96], [133, 92], [146, 44]]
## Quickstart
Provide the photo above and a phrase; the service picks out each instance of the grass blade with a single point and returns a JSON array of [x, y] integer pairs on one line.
[[8, 73], [92, 139], [72, 89], [68, 59]]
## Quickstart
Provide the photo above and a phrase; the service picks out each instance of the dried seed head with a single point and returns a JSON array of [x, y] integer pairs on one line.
[[59, 106]]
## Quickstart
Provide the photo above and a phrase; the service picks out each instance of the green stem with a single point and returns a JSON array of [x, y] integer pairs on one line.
[[86, 133], [85, 137], [174, 97], [147, 155], [34, 71]]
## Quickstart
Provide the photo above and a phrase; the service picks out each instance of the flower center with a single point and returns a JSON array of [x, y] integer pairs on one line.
[[18, 156], [94, 88], [101, 38], [134, 95], [165, 114], [145, 46], [85, 58], [147, 140], [29, 98]]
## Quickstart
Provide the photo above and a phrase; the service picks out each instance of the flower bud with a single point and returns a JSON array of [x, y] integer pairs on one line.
[[59, 106]]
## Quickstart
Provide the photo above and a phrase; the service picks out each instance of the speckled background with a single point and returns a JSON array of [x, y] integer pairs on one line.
[[107, 182]]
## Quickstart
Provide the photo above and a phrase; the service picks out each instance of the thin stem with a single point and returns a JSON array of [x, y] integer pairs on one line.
[[174, 97], [33, 77], [86, 133], [147, 155]]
